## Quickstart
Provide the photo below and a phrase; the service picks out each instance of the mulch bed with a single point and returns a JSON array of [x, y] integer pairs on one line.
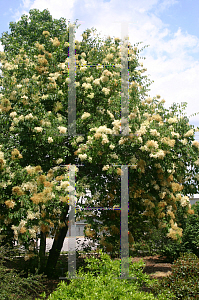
[[156, 267]]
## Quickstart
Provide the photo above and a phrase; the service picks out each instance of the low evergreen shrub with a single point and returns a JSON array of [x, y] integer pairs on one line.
[[13, 284], [184, 279]]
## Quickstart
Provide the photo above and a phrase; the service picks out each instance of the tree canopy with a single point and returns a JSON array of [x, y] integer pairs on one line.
[[36, 150]]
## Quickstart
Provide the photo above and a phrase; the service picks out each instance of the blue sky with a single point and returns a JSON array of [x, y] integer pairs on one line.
[[170, 27]]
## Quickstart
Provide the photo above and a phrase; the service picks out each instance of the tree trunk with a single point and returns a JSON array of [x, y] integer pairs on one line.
[[42, 252], [58, 242]]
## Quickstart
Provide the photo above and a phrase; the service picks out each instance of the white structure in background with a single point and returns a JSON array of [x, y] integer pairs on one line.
[[194, 200], [80, 233]]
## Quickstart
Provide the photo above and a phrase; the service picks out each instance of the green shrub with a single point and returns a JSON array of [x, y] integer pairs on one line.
[[157, 243], [183, 281], [190, 239], [14, 285], [101, 282]]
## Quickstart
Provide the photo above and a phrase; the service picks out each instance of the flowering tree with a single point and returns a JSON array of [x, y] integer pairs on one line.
[[34, 141], [36, 150]]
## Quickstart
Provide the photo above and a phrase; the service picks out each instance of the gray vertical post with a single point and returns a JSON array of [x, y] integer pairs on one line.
[[71, 87], [72, 239], [124, 80], [124, 223], [125, 131]]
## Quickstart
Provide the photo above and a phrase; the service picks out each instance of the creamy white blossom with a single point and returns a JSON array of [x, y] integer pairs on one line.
[[184, 201], [85, 115], [106, 91], [91, 95], [29, 116], [189, 133], [82, 156], [50, 140], [97, 81], [59, 161], [172, 120], [106, 167], [87, 86], [154, 132], [13, 114], [62, 129], [111, 146], [38, 129]]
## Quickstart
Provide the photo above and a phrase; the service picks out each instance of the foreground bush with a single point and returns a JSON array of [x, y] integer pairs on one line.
[[14, 285], [183, 281], [100, 282]]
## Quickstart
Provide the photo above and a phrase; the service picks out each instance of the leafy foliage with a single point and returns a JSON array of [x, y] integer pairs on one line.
[[33, 106], [183, 281], [100, 282], [15, 285]]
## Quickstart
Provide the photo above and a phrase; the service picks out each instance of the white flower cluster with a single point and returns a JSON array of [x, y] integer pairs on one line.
[[91, 95], [13, 114], [141, 131], [85, 115], [154, 132], [111, 146], [172, 120], [50, 140], [30, 116], [2, 157], [62, 129], [89, 79], [189, 133], [105, 168], [82, 156], [97, 81], [107, 73], [184, 141], [104, 139], [110, 114], [160, 154], [184, 201], [87, 86], [104, 78], [62, 66], [123, 140], [29, 186], [114, 155], [79, 139], [196, 144], [38, 129], [59, 161], [106, 91], [116, 125], [150, 146], [9, 66], [104, 129], [175, 134], [54, 76]]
